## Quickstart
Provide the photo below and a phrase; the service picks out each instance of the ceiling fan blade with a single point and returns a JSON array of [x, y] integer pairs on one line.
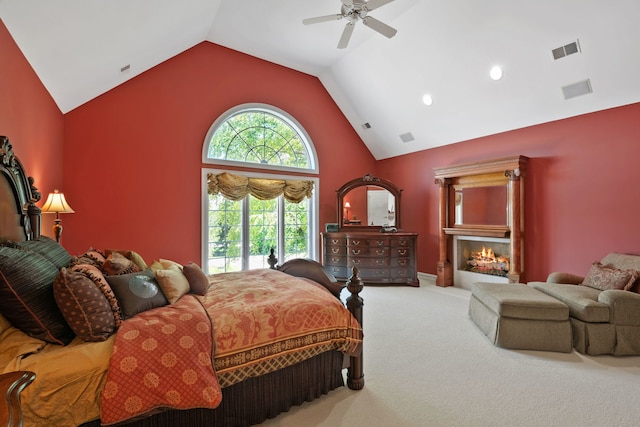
[[374, 4], [347, 2], [380, 27], [319, 19], [346, 35]]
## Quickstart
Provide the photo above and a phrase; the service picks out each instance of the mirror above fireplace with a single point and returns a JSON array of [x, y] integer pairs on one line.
[[486, 205]]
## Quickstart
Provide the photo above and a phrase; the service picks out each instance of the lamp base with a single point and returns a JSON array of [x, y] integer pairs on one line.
[[57, 229]]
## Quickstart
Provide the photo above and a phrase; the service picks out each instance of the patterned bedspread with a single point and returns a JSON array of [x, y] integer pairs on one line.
[[161, 358], [262, 321]]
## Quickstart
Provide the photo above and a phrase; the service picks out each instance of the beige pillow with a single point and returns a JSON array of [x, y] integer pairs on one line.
[[172, 282]]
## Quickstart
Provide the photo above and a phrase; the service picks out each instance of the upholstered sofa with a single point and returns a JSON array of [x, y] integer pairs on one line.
[[604, 306]]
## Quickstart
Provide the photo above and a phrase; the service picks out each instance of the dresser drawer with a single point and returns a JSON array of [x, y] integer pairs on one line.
[[335, 241], [406, 242], [375, 242], [369, 262], [335, 251], [373, 273], [334, 260], [401, 252], [339, 272], [367, 251], [406, 262]]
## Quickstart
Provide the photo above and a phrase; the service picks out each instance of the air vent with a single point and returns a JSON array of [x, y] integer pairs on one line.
[[577, 89], [407, 137], [366, 126], [566, 50], [125, 68]]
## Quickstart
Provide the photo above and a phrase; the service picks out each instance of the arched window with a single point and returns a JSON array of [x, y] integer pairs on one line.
[[262, 136], [248, 213]]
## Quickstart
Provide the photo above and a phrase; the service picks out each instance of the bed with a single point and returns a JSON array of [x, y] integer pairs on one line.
[[230, 349]]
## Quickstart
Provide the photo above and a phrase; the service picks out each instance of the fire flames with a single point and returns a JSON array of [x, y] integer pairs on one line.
[[486, 262]]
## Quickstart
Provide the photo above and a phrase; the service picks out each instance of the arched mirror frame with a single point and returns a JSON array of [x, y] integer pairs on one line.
[[367, 181]]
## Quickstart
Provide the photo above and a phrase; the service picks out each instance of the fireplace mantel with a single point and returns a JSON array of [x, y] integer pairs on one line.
[[508, 172]]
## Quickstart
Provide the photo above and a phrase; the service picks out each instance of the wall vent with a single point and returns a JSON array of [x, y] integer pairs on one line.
[[566, 50], [125, 68], [407, 137], [577, 89], [366, 126]]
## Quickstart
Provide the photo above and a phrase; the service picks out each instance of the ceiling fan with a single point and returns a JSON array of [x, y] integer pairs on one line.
[[353, 10]]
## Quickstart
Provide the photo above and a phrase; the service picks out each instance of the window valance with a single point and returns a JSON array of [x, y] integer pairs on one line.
[[236, 187]]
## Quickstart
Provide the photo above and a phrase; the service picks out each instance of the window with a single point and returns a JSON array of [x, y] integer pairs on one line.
[[248, 213]]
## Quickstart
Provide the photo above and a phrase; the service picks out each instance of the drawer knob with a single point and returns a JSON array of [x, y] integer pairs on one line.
[[335, 250], [380, 251], [355, 251], [402, 251]]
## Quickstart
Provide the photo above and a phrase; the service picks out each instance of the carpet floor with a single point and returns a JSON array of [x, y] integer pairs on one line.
[[427, 364]]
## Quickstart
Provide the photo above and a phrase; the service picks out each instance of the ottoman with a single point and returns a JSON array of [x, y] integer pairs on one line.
[[517, 316]]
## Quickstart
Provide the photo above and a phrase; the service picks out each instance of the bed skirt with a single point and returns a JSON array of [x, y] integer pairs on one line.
[[257, 399]]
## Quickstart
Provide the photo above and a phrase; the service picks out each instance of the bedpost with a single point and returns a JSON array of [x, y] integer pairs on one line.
[[355, 374]]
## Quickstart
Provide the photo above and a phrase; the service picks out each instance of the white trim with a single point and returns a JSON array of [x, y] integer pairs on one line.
[[291, 121], [313, 214]]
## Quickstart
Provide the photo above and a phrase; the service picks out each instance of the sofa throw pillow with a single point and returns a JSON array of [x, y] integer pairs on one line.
[[198, 281], [136, 292], [173, 283], [83, 305], [116, 263], [605, 277], [26, 295]]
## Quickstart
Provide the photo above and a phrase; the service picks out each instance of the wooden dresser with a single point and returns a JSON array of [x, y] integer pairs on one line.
[[383, 258]]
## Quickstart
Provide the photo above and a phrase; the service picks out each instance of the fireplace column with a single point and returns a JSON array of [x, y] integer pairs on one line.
[[516, 272], [444, 268]]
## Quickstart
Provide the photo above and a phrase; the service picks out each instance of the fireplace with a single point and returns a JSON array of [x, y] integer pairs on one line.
[[481, 205], [480, 259]]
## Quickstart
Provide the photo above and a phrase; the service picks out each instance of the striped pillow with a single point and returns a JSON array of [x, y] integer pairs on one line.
[[26, 295]]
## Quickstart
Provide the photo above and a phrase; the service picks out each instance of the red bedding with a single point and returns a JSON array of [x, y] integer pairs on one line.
[[262, 320]]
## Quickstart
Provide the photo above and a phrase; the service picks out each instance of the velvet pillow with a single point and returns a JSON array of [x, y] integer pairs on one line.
[[172, 282], [605, 277], [83, 305], [198, 281], [26, 295], [116, 263], [136, 292]]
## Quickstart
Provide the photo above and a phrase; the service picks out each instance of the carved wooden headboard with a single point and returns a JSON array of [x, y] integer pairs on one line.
[[19, 215]]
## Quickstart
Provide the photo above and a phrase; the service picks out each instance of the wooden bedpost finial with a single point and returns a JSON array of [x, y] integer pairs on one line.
[[355, 374], [272, 260]]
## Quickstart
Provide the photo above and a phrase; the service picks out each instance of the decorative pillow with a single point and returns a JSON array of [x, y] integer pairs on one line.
[[131, 255], [83, 305], [167, 262], [136, 292], [95, 274], [47, 247], [116, 263], [26, 295], [172, 282], [198, 281], [605, 277], [91, 256]]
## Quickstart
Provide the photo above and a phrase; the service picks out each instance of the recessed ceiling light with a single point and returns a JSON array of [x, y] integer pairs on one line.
[[496, 72], [426, 98]]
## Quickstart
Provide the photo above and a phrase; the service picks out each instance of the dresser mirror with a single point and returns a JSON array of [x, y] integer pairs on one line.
[[486, 205], [369, 203]]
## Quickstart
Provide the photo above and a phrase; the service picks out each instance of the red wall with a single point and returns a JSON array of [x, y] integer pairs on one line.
[[133, 155], [31, 120], [582, 197], [132, 160]]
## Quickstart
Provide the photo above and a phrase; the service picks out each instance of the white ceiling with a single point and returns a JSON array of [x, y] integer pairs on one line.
[[443, 47]]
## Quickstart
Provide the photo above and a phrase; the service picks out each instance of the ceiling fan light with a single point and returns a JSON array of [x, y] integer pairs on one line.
[[496, 73]]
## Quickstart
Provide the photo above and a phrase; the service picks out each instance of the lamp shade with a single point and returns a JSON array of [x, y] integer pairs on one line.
[[56, 203], [347, 205]]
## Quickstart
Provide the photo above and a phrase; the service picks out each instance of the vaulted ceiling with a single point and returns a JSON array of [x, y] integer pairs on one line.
[[444, 48]]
